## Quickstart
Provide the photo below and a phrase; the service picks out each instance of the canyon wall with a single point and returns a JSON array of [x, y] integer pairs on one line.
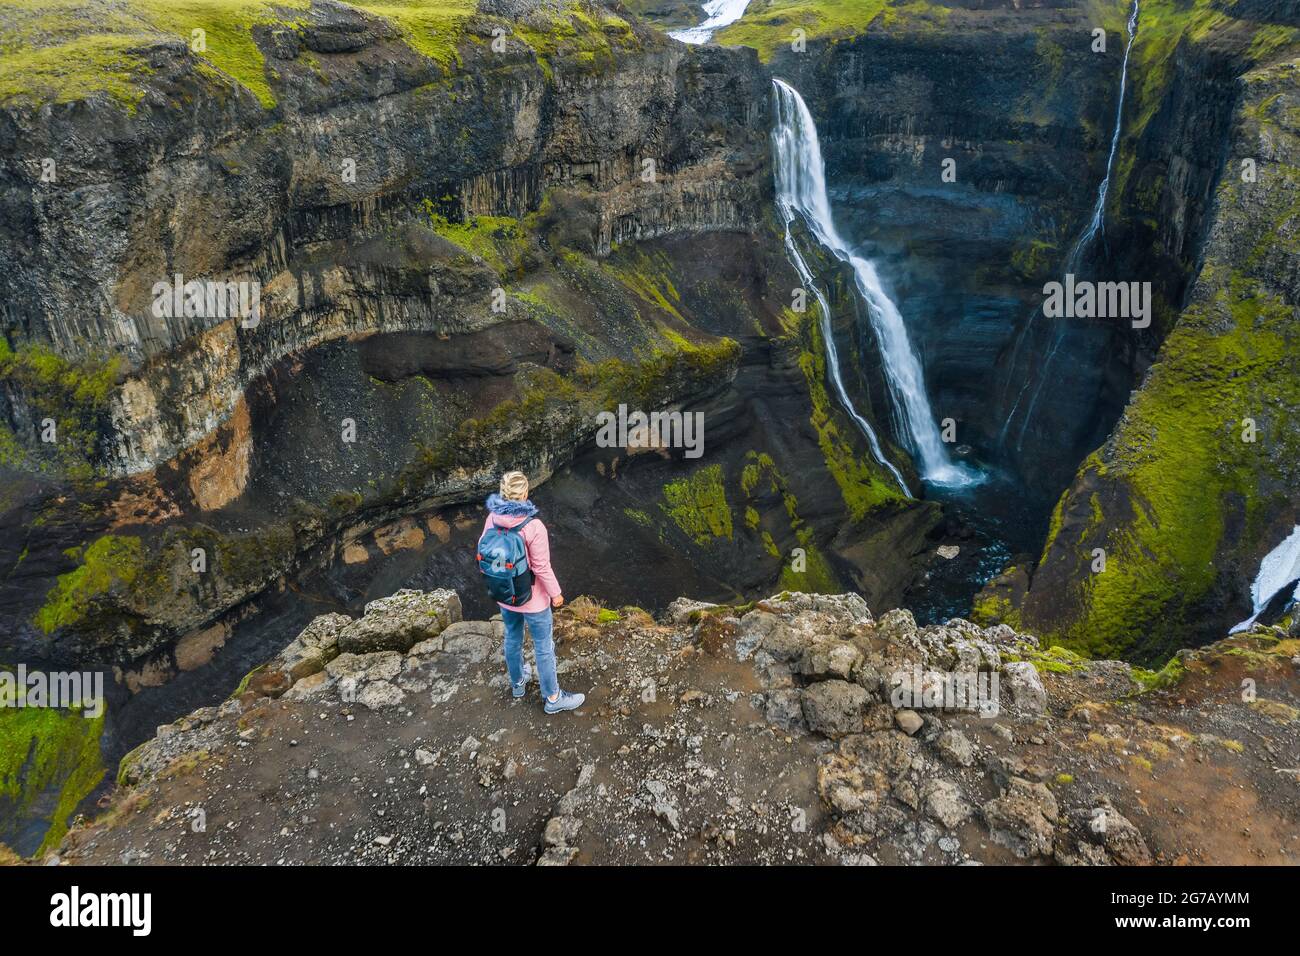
[[462, 254], [1199, 479]]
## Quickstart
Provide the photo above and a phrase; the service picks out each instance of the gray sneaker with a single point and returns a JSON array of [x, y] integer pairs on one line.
[[565, 701], [518, 690]]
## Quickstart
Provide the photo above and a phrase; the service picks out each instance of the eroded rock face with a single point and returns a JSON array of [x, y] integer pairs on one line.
[[503, 135]]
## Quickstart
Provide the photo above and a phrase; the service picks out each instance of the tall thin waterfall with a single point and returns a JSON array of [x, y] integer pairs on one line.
[[1096, 224], [801, 191], [720, 13]]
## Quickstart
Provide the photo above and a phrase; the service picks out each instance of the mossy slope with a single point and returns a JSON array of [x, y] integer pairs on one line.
[[1199, 476], [49, 762]]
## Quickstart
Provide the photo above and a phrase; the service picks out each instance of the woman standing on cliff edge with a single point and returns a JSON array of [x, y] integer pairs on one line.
[[514, 554]]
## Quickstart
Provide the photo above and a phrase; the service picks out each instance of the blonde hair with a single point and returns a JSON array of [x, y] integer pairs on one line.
[[514, 486]]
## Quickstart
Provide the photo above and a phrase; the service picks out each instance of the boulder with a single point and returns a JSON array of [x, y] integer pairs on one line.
[[1103, 825], [1025, 687], [1023, 819], [827, 659], [834, 707], [770, 632], [316, 646], [956, 748], [944, 803], [783, 706], [401, 620], [898, 627]]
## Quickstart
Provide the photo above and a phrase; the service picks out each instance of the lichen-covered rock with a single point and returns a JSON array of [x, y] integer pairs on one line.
[[944, 803], [1025, 687], [783, 706], [898, 627], [834, 707], [1101, 835], [682, 610], [956, 747], [1023, 819], [829, 659], [398, 622], [313, 648]]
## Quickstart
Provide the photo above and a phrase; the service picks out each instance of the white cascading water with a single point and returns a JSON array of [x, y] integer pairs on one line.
[[1279, 569], [720, 13], [832, 354], [801, 191], [1095, 225]]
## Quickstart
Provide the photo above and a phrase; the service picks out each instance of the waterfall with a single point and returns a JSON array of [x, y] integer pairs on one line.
[[1279, 570], [721, 13], [801, 191], [1096, 224], [832, 354]]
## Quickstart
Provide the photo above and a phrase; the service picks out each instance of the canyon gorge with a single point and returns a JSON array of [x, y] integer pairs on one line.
[[474, 225]]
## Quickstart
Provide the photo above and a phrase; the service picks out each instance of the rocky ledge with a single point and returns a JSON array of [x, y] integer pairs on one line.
[[774, 732]]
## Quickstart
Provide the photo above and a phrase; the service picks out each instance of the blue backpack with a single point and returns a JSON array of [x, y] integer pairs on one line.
[[503, 559]]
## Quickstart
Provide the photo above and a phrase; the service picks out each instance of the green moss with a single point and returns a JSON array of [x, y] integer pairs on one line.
[[606, 616], [498, 240], [79, 69], [768, 25], [760, 476], [46, 751], [1168, 676], [990, 609], [697, 504], [76, 48], [1179, 453], [74, 395], [817, 577], [1163, 26], [639, 517], [585, 35], [236, 693], [109, 562], [864, 485], [434, 28], [1035, 258], [647, 276]]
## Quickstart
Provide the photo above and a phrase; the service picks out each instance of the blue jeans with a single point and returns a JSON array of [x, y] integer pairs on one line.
[[539, 627]]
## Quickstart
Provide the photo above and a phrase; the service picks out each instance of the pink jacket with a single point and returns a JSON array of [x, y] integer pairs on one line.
[[538, 543]]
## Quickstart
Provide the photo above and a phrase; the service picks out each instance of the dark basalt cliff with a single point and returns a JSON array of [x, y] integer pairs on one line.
[[1198, 481], [461, 259], [1026, 109], [473, 227]]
